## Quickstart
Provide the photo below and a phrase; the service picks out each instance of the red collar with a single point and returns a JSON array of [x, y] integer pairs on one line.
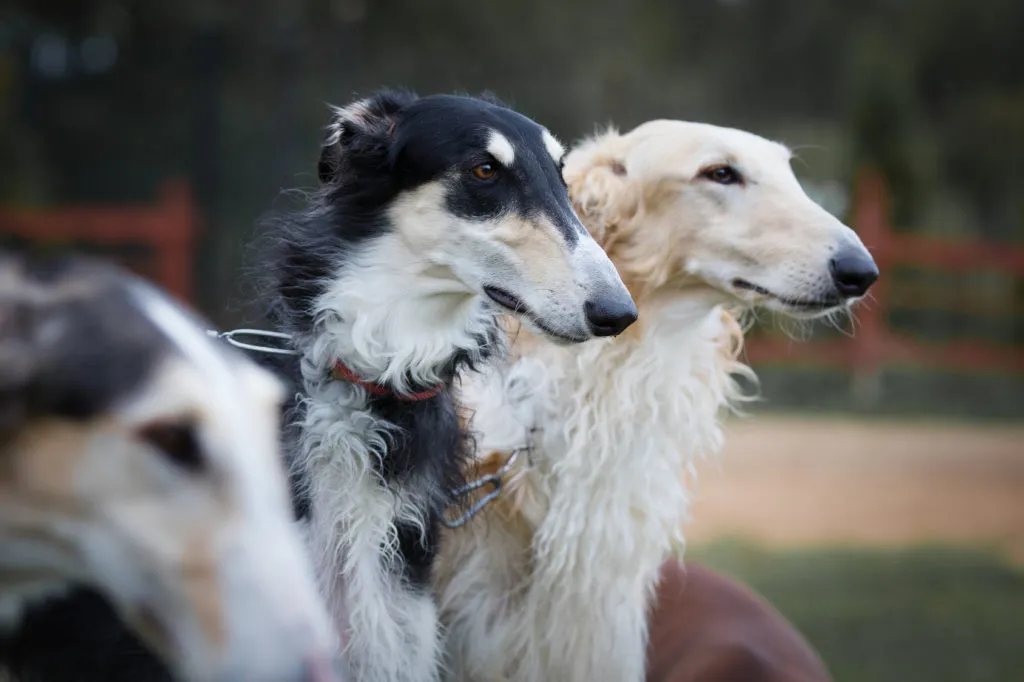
[[343, 373]]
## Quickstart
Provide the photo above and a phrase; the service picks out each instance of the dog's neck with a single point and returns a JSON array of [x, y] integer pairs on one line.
[[624, 422], [395, 320], [660, 388]]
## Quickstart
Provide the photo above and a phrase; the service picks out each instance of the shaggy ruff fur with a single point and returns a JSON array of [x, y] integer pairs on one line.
[[553, 580], [372, 543], [591, 527]]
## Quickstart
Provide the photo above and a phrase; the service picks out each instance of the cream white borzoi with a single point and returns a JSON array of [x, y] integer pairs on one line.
[[553, 580], [140, 472], [434, 214]]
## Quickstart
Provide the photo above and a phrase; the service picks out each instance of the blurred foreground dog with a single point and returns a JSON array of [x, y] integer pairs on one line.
[[553, 581], [140, 470]]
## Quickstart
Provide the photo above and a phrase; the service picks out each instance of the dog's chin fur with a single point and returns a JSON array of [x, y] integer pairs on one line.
[[553, 580], [396, 319]]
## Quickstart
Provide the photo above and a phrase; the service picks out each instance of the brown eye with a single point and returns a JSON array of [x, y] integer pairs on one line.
[[176, 442], [723, 175], [485, 171]]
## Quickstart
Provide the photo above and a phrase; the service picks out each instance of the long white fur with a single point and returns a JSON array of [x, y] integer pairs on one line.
[[581, 614], [554, 581]]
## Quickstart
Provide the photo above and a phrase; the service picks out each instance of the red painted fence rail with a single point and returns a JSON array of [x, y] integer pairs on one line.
[[167, 230]]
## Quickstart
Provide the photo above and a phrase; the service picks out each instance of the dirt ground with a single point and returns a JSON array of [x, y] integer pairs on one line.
[[793, 481]]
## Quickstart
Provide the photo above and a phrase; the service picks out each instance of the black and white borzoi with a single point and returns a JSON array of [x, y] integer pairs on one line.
[[139, 460], [434, 214]]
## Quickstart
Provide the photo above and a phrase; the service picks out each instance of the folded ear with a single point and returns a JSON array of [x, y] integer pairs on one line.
[[360, 133], [601, 191]]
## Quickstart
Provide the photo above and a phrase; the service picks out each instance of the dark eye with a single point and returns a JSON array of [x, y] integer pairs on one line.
[[485, 171], [723, 175], [177, 442]]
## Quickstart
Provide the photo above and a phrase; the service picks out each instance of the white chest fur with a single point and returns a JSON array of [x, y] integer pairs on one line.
[[616, 428]]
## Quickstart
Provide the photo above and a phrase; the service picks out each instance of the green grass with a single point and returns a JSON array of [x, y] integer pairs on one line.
[[919, 615]]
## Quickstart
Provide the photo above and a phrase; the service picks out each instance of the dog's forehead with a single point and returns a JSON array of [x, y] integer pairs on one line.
[[438, 134], [521, 130], [742, 146], [525, 135], [663, 145], [473, 122]]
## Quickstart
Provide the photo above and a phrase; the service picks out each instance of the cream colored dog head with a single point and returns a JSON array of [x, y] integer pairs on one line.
[[679, 205]]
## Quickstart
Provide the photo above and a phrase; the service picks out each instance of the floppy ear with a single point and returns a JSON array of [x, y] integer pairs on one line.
[[601, 191], [361, 133]]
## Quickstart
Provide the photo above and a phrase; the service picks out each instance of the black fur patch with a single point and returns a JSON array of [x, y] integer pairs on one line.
[[72, 340], [418, 550], [78, 638]]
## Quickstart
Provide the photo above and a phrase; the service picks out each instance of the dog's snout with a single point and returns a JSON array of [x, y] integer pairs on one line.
[[610, 316], [853, 273]]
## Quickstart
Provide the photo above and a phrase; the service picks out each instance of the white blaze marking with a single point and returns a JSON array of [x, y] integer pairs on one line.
[[192, 341], [554, 147], [500, 148]]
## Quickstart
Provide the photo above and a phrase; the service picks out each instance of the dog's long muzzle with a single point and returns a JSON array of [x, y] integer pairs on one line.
[[609, 308]]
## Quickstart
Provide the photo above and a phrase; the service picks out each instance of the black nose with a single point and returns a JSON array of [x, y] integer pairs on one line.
[[853, 273], [610, 316]]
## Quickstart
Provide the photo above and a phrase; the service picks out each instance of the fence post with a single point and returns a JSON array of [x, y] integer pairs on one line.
[[176, 238], [871, 219]]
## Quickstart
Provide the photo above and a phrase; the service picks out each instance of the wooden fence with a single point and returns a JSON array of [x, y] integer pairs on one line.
[[160, 237]]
